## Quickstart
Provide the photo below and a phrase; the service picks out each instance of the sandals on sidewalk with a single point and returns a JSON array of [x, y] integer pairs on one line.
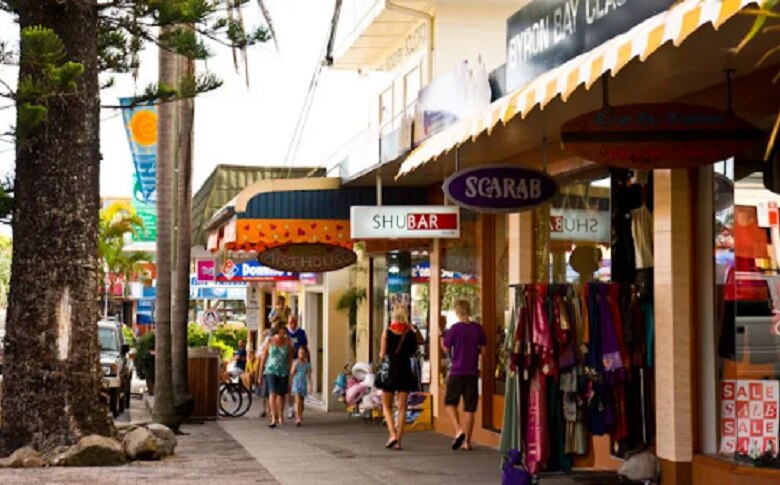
[[458, 441]]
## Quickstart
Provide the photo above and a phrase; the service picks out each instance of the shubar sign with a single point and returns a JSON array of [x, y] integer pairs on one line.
[[404, 222]]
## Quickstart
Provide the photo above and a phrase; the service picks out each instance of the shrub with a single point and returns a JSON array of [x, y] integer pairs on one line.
[[196, 336], [144, 359], [225, 350], [127, 332], [230, 335]]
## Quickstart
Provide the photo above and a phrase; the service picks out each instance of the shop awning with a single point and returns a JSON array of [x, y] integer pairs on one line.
[[272, 213], [674, 25]]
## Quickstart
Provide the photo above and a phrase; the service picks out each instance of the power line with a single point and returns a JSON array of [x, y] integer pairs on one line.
[[295, 142]]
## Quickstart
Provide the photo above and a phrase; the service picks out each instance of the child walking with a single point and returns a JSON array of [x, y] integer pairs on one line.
[[301, 371]]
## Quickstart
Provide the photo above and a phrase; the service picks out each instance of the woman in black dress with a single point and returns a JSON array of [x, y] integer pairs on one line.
[[399, 343]]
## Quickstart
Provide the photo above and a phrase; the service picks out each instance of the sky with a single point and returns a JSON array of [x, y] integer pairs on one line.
[[238, 124]]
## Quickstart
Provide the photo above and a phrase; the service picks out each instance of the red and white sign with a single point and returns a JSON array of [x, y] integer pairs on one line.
[[404, 222], [749, 417]]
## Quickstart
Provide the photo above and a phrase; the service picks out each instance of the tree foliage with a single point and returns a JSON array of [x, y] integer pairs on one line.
[[5, 269], [125, 28], [118, 221], [767, 21]]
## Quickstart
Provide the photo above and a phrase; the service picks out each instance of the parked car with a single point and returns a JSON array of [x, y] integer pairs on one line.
[[115, 365]]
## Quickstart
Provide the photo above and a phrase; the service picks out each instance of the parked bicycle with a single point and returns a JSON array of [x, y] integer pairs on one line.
[[235, 399]]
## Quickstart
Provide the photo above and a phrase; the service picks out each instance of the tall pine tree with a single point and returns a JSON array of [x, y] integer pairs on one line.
[[51, 381]]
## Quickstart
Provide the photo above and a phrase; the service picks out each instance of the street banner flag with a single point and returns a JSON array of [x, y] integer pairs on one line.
[[147, 211], [141, 126]]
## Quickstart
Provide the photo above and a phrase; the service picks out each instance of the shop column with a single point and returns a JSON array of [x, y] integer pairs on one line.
[[434, 310], [521, 248], [673, 326]]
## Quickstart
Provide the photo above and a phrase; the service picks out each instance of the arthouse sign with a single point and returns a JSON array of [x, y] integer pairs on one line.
[[659, 135], [307, 257], [499, 188]]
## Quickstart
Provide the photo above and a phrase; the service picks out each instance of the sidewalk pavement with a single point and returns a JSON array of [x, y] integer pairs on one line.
[[206, 455], [330, 448], [327, 449]]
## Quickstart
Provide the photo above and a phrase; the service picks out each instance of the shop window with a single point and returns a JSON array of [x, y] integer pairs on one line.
[[412, 84], [460, 277], [747, 297], [580, 233], [421, 291], [379, 314], [386, 111]]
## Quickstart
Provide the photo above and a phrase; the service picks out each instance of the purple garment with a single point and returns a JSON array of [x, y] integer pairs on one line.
[[464, 340], [610, 347]]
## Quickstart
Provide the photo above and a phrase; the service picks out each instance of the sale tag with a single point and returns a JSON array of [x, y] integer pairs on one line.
[[749, 417]]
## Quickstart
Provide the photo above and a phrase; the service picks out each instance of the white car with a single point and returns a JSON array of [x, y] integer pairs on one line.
[[116, 367]]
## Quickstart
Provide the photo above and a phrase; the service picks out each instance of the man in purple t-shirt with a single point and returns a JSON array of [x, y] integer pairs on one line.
[[465, 341]]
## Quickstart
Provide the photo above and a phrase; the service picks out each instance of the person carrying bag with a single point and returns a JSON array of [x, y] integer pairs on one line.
[[395, 374]]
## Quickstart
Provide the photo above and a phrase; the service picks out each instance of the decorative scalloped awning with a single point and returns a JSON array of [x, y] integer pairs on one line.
[[256, 235], [273, 213], [673, 25]]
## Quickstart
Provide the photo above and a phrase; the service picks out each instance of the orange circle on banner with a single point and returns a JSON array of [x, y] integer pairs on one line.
[[143, 126]]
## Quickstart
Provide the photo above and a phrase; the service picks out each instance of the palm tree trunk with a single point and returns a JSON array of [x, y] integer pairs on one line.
[[185, 404], [164, 411], [52, 376]]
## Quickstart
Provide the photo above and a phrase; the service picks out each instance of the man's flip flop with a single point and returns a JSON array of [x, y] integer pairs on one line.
[[458, 441]]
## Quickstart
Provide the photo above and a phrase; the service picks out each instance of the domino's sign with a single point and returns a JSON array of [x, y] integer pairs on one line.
[[252, 271]]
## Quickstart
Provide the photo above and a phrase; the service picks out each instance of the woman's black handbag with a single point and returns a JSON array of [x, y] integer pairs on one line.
[[382, 378], [383, 373]]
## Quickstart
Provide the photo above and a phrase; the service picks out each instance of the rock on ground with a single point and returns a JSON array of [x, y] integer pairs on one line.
[[93, 450], [142, 444], [25, 457], [640, 467], [165, 434]]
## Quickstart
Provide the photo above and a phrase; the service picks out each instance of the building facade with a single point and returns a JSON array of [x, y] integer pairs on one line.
[[688, 236]]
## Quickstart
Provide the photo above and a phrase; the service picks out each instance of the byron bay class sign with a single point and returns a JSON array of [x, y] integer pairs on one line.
[[499, 188], [659, 135], [307, 257], [546, 33]]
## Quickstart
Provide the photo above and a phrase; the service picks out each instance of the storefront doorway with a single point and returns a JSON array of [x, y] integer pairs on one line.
[[313, 324]]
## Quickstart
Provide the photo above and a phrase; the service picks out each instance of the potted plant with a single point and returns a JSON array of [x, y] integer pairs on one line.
[[349, 302]]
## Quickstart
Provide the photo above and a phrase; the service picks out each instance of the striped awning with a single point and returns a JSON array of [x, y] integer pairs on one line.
[[674, 25]]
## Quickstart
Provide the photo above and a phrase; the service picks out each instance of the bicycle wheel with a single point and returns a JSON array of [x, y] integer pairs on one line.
[[246, 400], [229, 400]]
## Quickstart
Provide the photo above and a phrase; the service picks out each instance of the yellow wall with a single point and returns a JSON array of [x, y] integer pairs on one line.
[[336, 334]]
